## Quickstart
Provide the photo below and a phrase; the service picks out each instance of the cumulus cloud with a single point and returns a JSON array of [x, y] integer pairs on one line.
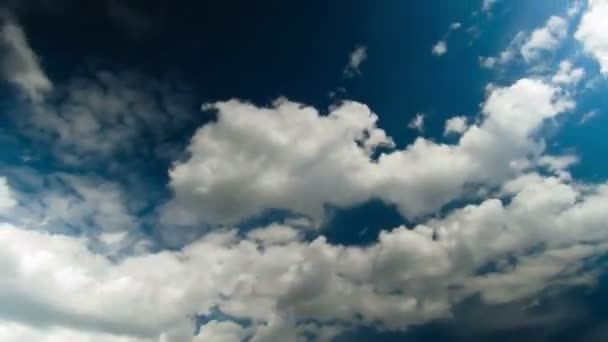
[[546, 38], [487, 62], [457, 124], [409, 276], [530, 46], [64, 278], [289, 156], [567, 74], [19, 63], [592, 32], [440, 48]]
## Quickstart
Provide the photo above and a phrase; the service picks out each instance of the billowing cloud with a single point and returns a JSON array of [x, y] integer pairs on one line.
[[409, 276], [568, 74], [75, 266], [289, 156], [457, 124], [546, 38], [592, 32]]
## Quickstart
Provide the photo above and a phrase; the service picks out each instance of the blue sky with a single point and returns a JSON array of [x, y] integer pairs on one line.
[[303, 171]]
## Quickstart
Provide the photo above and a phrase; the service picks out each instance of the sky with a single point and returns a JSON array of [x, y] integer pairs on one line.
[[342, 170]]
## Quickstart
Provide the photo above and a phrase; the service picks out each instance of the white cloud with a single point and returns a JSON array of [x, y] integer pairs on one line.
[[457, 124], [274, 234], [280, 156], [401, 279], [488, 62], [289, 156], [440, 48], [20, 65], [417, 122], [546, 38], [592, 32], [358, 56], [221, 332], [567, 74]]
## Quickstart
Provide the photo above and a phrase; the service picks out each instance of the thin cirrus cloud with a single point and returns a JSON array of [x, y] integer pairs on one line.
[[20, 65]]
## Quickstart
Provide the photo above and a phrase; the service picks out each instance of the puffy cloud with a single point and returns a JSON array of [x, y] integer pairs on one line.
[[408, 276], [290, 157], [457, 124], [20, 65], [546, 38], [271, 284], [286, 156], [592, 32], [440, 48], [358, 56], [567, 74], [274, 234], [488, 62]]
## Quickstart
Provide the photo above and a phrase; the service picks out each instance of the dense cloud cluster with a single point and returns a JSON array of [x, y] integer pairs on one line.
[[74, 265], [279, 281], [290, 156]]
